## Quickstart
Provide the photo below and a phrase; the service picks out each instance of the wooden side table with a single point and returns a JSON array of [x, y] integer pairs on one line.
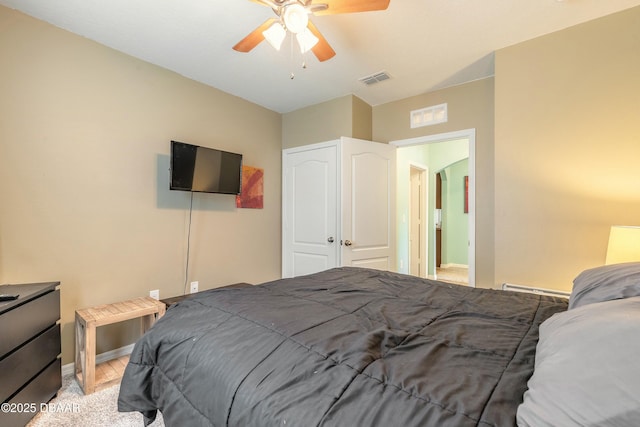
[[88, 319]]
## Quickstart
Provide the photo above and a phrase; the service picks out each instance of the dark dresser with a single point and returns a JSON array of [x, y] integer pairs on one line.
[[30, 366]]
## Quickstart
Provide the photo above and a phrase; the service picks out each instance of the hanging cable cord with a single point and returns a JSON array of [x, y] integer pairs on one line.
[[186, 270]]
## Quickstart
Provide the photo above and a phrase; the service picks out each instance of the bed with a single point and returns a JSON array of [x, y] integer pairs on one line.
[[351, 347]]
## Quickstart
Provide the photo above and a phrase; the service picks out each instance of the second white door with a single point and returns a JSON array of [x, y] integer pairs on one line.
[[368, 204]]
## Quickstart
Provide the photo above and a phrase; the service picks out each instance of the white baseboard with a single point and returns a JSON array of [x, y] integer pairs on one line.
[[69, 368], [454, 265]]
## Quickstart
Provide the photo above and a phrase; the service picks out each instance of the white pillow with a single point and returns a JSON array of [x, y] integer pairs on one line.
[[606, 283], [587, 368]]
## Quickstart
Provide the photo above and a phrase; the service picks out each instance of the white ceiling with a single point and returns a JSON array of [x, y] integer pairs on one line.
[[423, 44]]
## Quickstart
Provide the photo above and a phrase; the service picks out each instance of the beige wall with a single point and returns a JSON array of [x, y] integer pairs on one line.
[[344, 116], [567, 149], [362, 120], [469, 106], [84, 158], [317, 123]]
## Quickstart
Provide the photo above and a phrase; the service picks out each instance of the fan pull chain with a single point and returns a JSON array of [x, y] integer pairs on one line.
[[292, 60], [304, 59], [293, 76]]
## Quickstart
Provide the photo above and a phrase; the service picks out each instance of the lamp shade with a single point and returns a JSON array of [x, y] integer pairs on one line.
[[306, 40], [275, 35], [624, 244], [295, 18]]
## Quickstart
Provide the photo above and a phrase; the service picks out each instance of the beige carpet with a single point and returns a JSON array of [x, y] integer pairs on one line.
[[457, 275], [72, 408]]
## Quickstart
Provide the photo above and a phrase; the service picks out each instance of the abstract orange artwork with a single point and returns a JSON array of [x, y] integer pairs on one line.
[[252, 194]]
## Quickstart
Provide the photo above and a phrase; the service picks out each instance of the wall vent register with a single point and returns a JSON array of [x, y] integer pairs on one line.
[[429, 116], [375, 78]]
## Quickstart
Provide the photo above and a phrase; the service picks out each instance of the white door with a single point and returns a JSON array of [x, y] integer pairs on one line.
[[418, 228], [368, 204], [310, 210]]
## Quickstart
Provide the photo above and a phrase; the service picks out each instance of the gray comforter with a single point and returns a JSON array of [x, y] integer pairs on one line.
[[345, 347]]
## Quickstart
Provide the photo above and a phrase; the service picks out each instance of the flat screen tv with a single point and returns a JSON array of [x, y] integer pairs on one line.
[[205, 170]]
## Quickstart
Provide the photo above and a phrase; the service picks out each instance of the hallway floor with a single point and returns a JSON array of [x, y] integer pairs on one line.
[[457, 275]]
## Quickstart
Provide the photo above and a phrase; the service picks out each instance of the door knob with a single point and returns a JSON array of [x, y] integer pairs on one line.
[[348, 243], [330, 240]]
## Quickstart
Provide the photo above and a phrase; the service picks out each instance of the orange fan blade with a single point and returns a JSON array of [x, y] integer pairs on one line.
[[351, 6], [255, 37], [321, 50]]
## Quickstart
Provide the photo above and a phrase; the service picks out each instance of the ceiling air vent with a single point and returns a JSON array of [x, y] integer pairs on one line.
[[375, 78]]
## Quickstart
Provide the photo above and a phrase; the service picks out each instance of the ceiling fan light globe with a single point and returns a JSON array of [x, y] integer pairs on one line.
[[295, 18], [275, 35], [306, 40]]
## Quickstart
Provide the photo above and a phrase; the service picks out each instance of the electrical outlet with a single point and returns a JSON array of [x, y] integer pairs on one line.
[[194, 287], [155, 294]]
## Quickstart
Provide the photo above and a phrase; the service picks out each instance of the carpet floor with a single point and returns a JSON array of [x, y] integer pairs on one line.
[[100, 409], [457, 275]]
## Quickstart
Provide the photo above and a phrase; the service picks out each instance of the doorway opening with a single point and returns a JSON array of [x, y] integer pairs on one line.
[[438, 153], [451, 223]]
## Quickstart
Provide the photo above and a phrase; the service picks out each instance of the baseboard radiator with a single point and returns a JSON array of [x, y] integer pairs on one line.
[[532, 290]]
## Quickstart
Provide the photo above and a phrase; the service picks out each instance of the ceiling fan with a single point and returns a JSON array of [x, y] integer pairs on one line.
[[293, 17]]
